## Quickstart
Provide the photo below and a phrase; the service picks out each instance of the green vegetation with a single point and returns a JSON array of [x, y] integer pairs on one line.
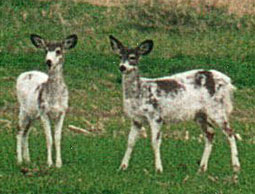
[[184, 39]]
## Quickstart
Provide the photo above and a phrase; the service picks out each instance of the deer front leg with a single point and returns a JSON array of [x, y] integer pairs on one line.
[[58, 132], [132, 137], [201, 119], [155, 125], [46, 125]]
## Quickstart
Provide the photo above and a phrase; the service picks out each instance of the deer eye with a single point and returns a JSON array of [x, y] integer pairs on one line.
[[58, 52]]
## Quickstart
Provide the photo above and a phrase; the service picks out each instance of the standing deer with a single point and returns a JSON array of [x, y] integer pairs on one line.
[[200, 95], [44, 96]]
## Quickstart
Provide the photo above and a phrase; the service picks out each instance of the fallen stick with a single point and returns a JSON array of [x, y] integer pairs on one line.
[[79, 130], [5, 121]]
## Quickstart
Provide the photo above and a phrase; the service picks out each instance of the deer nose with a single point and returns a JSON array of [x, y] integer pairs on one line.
[[122, 68], [49, 63]]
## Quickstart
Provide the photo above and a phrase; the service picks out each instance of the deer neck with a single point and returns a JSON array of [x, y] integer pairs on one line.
[[131, 84], [53, 95], [56, 75], [55, 86]]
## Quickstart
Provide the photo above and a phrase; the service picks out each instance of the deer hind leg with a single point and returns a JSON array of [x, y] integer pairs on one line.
[[26, 154], [47, 129], [132, 138], [57, 138], [201, 119], [22, 138]]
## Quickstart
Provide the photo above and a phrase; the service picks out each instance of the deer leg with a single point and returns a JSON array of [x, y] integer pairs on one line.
[[230, 134], [57, 137], [132, 137], [46, 125], [222, 122], [22, 144], [156, 135], [26, 154], [208, 135]]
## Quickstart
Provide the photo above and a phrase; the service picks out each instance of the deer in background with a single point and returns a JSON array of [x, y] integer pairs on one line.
[[44, 96], [200, 95]]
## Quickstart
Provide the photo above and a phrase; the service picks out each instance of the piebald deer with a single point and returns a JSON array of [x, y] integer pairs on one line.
[[200, 95], [44, 96]]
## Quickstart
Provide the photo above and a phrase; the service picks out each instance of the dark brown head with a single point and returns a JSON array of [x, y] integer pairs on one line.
[[54, 50], [130, 56]]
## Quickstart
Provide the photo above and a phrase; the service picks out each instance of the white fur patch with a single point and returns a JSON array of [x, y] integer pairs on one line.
[[28, 84]]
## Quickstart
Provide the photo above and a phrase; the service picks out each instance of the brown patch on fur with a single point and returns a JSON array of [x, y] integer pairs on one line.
[[145, 109], [137, 124], [18, 128], [30, 76], [169, 85], [38, 87], [152, 100], [209, 135], [202, 168], [159, 120], [158, 92], [201, 117], [53, 46], [228, 130], [209, 81], [158, 135], [40, 100], [123, 166]]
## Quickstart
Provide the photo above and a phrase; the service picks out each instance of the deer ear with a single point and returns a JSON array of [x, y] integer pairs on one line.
[[145, 47], [38, 41], [70, 41], [116, 45]]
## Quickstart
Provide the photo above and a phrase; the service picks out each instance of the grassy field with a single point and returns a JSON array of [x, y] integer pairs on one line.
[[184, 38]]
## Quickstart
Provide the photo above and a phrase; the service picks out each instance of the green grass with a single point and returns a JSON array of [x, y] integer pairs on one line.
[[182, 42]]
